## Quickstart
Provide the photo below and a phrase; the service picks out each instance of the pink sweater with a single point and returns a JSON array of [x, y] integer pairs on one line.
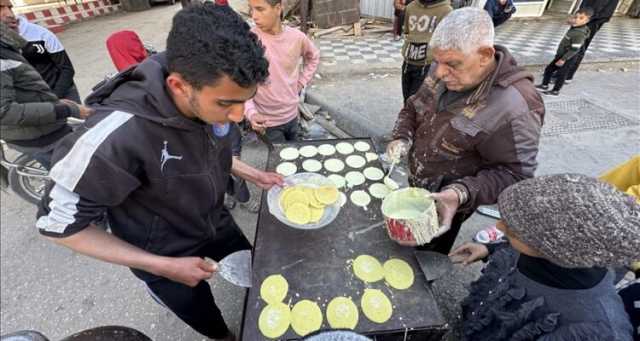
[[277, 99]]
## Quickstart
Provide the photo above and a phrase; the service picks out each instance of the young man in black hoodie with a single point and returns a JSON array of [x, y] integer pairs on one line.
[[151, 160]]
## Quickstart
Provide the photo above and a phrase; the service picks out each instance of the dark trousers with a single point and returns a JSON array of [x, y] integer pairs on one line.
[[41, 154], [558, 72], [237, 186], [283, 133], [444, 243], [412, 78], [398, 22], [196, 306], [235, 137], [44, 158], [577, 59]]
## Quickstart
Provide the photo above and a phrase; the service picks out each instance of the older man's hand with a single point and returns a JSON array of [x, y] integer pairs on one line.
[[396, 149], [447, 203]]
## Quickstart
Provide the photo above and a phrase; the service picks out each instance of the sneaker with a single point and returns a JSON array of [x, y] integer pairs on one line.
[[551, 92], [252, 206], [488, 235], [249, 138], [568, 81], [542, 87], [229, 201]]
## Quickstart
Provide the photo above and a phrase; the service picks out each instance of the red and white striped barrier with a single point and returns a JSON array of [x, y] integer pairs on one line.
[[57, 17]]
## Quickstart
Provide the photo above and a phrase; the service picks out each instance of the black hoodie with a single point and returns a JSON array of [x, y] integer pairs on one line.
[[160, 176]]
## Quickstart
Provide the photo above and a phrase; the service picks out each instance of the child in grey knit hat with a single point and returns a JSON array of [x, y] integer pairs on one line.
[[552, 280]]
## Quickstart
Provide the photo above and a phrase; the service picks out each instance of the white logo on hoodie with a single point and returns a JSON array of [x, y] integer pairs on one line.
[[165, 156]]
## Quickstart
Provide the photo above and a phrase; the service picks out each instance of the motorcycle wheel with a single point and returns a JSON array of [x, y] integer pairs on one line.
[[31, 189]]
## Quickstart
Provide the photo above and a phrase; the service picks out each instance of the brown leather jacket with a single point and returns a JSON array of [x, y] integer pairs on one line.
[[486, 141]]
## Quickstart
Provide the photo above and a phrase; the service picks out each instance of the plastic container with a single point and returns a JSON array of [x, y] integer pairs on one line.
[[410, 215]]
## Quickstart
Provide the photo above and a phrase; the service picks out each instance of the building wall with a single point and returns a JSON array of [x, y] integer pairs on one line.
[[623, 7], [526, 9], [330, 13], [377, 8]]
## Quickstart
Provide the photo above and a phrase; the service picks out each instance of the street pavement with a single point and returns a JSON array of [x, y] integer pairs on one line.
[[532, 42], [590, 128]]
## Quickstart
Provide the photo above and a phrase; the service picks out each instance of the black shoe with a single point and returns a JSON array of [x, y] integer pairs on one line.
[[542, 86], [551, 92]]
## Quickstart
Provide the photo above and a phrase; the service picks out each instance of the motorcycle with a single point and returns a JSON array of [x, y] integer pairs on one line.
[[24, 175]]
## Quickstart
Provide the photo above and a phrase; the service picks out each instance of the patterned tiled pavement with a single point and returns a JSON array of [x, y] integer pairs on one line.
[[532, 43]]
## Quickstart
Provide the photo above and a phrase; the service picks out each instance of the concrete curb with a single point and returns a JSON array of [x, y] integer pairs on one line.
[[350, 122], [363, 69], [55, 18]]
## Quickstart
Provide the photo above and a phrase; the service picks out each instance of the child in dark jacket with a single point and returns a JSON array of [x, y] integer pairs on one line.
[[567, 52], [552, 281]]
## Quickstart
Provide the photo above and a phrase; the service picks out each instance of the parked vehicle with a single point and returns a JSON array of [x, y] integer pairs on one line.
[[24, 175]]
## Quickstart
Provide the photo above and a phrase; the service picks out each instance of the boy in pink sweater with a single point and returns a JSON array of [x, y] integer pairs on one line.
[[274, 109]]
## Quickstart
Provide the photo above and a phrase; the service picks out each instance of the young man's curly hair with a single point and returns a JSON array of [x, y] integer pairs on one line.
[[207, 42]]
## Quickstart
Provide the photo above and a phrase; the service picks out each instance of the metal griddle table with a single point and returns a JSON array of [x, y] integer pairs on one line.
[[316, 264]]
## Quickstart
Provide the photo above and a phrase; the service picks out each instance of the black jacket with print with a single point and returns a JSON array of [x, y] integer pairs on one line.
[[160, 176], [47, 55]]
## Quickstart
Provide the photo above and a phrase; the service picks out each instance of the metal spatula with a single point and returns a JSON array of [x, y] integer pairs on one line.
[[434, 265], [236, 268]]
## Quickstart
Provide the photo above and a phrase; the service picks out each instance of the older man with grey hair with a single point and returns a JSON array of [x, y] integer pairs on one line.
[[473, 128]]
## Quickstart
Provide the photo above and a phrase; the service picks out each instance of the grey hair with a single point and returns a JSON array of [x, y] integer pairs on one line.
[[465, 29]]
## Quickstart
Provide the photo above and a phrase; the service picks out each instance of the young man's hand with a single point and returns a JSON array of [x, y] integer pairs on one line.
[[560, 62], [187, 270], [469, 253], [258, 123], [266, 180], [262, 179]]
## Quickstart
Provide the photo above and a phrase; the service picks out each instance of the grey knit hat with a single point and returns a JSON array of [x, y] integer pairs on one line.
[[573, 220]]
